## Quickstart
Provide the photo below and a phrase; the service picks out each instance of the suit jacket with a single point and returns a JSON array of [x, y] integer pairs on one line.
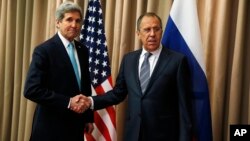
[[162, 113], [50, 83]]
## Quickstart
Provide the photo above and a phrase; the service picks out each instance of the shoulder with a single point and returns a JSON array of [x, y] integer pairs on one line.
[[171, 53], [133, 54], [53, 41], [131, 57], [49, 47]]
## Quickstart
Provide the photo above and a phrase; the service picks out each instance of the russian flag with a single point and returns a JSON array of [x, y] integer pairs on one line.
[[182, 34]]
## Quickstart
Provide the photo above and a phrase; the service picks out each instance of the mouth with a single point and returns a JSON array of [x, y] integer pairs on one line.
[[152, 42], [73, 31]]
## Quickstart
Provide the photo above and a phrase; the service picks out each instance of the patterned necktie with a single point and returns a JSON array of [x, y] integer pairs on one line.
[[145, 72], [74, 64]]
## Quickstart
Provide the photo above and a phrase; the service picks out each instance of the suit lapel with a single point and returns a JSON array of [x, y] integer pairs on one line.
[[160, 66], [62, 50], [79, 53], [136, 70], [133, 67], [64, 55]]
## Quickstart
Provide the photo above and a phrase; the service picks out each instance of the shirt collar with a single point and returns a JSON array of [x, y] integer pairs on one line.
[[154, 53], [64, 40]]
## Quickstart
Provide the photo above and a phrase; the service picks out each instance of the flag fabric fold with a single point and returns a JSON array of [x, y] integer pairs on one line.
[[182, 34], [93, 37]]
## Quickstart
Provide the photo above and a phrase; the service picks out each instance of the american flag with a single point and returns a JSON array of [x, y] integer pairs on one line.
[[93, 37]]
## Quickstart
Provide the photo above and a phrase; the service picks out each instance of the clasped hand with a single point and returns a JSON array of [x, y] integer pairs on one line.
[[79, 103]]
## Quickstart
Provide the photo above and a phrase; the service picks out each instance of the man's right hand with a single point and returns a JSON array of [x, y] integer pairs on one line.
[[79, 103]]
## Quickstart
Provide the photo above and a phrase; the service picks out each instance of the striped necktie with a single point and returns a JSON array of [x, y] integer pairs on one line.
[[145, 72], [73, 62]]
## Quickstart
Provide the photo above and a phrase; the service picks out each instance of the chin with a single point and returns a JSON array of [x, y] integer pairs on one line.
[[151, 49]]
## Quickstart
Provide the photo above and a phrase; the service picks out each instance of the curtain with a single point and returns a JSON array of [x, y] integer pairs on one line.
[[225, 34]]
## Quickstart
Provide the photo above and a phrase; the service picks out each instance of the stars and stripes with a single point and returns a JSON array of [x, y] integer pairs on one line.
[[93, 37]]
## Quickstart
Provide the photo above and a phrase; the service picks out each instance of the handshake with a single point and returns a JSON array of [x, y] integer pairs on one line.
[[79, 103]]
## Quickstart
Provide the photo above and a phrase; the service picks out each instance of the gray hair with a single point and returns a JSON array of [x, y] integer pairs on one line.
[[67, 7], [149, 14]]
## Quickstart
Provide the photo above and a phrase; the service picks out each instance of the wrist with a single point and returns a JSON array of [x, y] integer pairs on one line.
[[69, 103], [91, 103]]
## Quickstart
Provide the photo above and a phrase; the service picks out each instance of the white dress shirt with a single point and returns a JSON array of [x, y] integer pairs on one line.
[[152, 59]]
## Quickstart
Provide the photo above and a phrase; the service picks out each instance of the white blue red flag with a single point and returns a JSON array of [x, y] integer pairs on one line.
[[93, 37], [182, 34]]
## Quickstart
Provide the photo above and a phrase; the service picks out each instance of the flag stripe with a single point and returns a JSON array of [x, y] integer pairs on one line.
[[96, 135], [89, 137], [99, 90], [107, 85], [102, 126], [174, 40], [182, 34], [111, 111], [193, 42], [108, 121]]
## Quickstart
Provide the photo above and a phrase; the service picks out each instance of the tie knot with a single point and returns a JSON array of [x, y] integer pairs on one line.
[[70, 45], [147, 55]]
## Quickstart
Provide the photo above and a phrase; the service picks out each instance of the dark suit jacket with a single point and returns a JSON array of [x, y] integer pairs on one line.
[[50, 83], [162, 113]]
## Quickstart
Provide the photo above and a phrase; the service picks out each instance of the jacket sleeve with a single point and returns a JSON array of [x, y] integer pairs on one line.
[[184, 96], [36, 88], [114, 96]]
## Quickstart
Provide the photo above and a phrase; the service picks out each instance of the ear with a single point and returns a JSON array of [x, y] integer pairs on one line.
[[138, 33], [57, 23]]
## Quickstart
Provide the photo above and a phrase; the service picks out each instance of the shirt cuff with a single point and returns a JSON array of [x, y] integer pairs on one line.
[[92, 103], [69, 103]]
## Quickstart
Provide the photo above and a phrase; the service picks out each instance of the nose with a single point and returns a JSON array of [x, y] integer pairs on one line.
[[73, 23], [152, 32]]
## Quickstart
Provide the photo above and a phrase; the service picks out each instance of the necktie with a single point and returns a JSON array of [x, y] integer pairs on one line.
[[73, 62], [145, 72]]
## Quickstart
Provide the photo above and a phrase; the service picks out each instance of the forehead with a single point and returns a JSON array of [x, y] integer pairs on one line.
[[149, 21], [74, 14]]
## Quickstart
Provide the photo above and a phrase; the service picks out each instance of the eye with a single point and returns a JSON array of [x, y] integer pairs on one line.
[[156, 29], [69, 19], [78, 20], [146, 30]]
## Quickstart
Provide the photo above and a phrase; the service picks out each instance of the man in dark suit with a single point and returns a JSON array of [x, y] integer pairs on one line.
[[57, 77], [158, 104]]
